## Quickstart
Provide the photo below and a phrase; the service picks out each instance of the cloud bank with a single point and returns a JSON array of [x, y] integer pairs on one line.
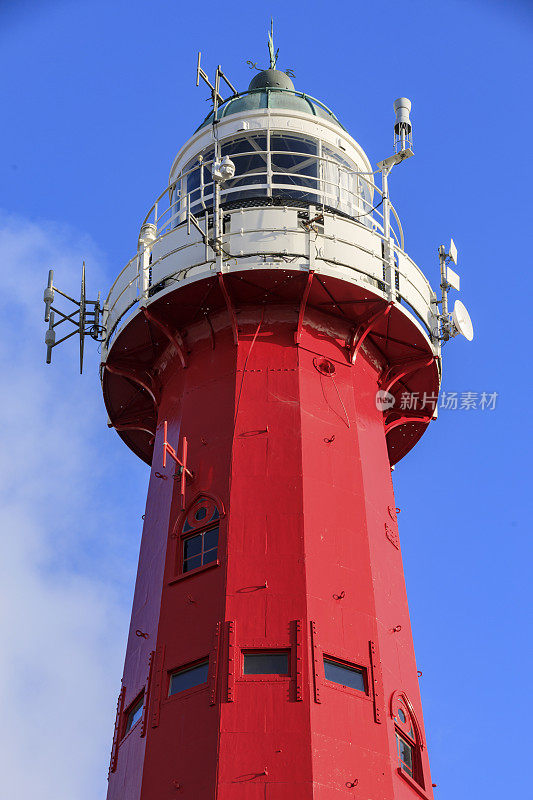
[[69, 533]]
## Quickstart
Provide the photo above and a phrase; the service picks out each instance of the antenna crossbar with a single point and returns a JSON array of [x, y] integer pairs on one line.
[[86, 322], [215, 89]]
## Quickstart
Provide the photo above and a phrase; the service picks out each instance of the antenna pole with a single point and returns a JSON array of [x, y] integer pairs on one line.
[[445, 288], [49, 295], [388, 254]]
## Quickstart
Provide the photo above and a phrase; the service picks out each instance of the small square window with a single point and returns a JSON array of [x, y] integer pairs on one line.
[[344, 674], [200, 549], [188, 677], [266, 662], [405, 754], [134, 714]]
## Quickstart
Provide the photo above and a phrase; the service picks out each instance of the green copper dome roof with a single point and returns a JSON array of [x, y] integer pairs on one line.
[[273, 89]]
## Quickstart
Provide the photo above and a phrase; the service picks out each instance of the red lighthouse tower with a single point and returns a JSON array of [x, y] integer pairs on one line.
[[257, 349]]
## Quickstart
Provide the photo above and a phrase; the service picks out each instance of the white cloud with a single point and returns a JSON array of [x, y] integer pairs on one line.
[[69, 534]]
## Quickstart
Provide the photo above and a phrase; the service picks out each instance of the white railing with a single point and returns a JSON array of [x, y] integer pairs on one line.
[[362, 202], [345, 246]]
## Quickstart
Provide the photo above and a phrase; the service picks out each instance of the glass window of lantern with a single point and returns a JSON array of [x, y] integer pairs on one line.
[[249, 153], [294, 161], [283, 165], [339, 183]]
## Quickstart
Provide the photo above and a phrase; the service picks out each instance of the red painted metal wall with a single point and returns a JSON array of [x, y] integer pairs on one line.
[[287, 440]]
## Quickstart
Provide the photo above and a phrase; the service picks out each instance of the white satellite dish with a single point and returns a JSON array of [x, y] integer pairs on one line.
[[462, 322]]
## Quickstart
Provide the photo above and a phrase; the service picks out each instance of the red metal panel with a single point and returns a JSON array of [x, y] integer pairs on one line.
[[297, 454]]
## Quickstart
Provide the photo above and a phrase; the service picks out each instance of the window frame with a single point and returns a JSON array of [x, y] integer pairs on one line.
[[266, 677], [179, 536], [191, 690], [409, 731], [139, 698], [342, 662], [192, 535]]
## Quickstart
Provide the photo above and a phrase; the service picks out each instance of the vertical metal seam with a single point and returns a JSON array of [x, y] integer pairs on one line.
[[148, 692], [213, 666], [316, 659], [114, 747], [230, 690], [377, 683]]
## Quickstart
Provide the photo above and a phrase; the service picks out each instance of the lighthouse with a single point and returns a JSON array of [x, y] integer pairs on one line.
[[271, 351]]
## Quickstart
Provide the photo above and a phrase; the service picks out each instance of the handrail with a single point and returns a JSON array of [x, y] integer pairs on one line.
[[346, 199], [134, 282]]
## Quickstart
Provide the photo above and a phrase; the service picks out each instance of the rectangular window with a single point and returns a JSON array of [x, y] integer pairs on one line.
[[134, 713], [200, 549], [344, 674], [405, 754], [188, 677], [266, 662]]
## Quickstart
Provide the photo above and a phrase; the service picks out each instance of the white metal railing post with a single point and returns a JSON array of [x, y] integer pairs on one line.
[[147, 237], [388, 248]]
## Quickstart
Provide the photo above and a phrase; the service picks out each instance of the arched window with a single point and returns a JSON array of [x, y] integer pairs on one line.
[[199, 535], [408, 738]]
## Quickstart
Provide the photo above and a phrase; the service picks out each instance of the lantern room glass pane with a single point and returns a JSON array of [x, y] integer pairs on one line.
[[268, 662], [344, 674], [188, 677]]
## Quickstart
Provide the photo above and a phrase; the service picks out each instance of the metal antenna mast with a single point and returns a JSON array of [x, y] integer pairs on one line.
[[86, 322], [223, 168]]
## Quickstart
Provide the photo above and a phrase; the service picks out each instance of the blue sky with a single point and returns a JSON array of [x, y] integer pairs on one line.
[[97, 99]]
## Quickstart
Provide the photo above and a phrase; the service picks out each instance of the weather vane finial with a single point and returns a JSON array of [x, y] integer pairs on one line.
[[273, 53]]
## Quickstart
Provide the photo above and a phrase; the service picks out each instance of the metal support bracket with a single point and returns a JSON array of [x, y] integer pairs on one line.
[[183, 471], [303, 304], [174, 338], [126, 373], [400, 369], [389, 426], [364, 327], [229, 306]]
